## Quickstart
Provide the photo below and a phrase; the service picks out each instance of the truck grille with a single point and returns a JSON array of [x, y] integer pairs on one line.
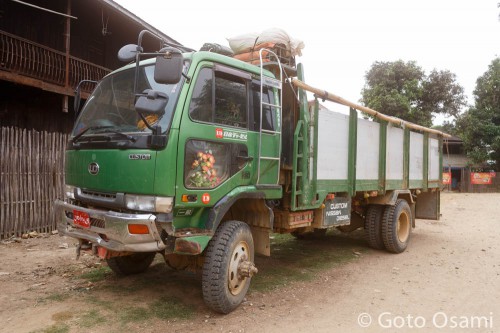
[[98, 223], [99, 194]]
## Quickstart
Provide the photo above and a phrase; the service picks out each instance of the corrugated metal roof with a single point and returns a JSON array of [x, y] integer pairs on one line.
[[140, 21]]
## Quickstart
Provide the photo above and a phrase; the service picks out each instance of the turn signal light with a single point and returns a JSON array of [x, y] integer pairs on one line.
[[189, 198], [138, 229]]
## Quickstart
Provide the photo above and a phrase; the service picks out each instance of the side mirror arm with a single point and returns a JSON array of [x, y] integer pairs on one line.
[[77, 100]]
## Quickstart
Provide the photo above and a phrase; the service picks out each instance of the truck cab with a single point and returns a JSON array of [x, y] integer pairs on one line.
[[158, 167]]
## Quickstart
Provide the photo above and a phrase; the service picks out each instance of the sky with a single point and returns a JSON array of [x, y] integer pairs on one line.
[[344, 38]]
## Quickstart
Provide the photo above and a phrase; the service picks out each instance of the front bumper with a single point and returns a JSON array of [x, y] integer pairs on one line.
[[109, 229]]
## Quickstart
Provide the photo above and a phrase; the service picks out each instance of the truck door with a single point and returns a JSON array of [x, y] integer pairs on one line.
[[216, 145]]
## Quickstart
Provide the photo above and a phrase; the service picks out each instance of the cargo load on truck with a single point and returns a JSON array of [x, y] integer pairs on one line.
[[247, 47], [199, 156]]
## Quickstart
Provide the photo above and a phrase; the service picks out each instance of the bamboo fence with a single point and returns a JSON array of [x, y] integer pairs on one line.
[[32, 177]]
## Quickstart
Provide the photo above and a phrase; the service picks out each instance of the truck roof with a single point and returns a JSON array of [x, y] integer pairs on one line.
[[196, 57]]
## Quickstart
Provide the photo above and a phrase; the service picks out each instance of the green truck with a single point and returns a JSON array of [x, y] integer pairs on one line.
[[199, 157]]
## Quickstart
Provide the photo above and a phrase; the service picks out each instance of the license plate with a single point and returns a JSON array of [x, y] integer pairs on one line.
[[81, 219]]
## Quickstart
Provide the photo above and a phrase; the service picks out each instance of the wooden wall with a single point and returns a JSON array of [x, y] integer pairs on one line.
[[31, 108]]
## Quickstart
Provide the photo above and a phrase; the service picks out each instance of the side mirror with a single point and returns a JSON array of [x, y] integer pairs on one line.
[[128, 52], [151, 101], [168, 68]]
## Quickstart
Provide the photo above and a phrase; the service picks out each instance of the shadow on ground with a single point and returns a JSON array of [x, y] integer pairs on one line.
[[119, 303]]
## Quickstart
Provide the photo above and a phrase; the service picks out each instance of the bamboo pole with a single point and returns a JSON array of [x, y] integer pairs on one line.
[[337, 99]]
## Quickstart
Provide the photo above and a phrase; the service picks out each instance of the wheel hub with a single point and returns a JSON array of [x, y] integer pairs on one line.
[[403, 227], [247, 269], [240, 268]]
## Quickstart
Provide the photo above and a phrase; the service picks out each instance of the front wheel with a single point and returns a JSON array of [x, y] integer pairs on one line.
[[228, 266]]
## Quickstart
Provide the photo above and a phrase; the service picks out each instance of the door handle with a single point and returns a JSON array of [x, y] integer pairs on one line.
[[245, 158]]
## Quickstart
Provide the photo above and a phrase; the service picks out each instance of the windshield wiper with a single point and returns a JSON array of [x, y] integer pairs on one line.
[[79, 135], [86, 129], [129, 137]]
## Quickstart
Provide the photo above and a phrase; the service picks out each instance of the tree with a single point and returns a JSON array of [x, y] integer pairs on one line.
[[401, 89], [448, 127], [479, 127]]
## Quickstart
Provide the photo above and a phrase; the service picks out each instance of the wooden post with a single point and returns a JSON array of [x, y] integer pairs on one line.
[[67, 40], [67, 33]]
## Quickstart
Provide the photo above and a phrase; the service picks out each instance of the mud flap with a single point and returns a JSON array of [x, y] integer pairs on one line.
[[428, 206]]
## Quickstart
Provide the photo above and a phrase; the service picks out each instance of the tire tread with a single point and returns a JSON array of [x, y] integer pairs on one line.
[[214, 290], [389, 227], [373, 221]]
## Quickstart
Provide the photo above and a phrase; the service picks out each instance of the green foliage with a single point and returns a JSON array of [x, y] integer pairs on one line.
[[301, 260], [97, 274], [164, 308], [134, 314], [479, 127], [57, 297], [447, 127], [56, 328], [171, 308], [91, 318], [401, 89]]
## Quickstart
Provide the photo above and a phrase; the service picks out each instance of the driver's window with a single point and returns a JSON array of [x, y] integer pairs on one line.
[[230, 101], [221, 99]]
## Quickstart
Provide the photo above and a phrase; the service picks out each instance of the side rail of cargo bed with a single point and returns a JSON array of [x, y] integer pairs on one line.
[[364, 158]]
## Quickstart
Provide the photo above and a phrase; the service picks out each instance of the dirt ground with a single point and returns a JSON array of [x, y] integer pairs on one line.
[[448, 280]]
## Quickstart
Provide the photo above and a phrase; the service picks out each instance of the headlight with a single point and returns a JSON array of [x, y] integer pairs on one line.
[[69, 192], [149, 203], [164, 204]]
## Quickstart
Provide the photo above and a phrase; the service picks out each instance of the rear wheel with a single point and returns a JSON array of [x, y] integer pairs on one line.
[[228, 266], [373, 227], [396, 226], [131, 264]]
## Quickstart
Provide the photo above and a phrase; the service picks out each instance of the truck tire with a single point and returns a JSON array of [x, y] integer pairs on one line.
[[373, 229], [131, 264], [224, 288], [396, 226]]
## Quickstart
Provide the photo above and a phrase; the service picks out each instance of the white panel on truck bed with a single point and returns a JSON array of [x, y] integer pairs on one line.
[[333, 145], [394, 162], [367, 149], [416, 156], [434, 169]]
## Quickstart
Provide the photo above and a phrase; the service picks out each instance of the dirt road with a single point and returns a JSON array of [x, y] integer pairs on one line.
[[447, 281]]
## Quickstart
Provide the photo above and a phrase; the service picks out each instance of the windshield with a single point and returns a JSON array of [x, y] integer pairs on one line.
[[111, 105]]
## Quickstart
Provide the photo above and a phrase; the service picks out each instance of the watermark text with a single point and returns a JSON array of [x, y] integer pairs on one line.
[[439, 320]]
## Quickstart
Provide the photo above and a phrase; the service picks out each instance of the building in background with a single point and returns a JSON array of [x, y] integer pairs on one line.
[[46, 49], [463, 175]]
